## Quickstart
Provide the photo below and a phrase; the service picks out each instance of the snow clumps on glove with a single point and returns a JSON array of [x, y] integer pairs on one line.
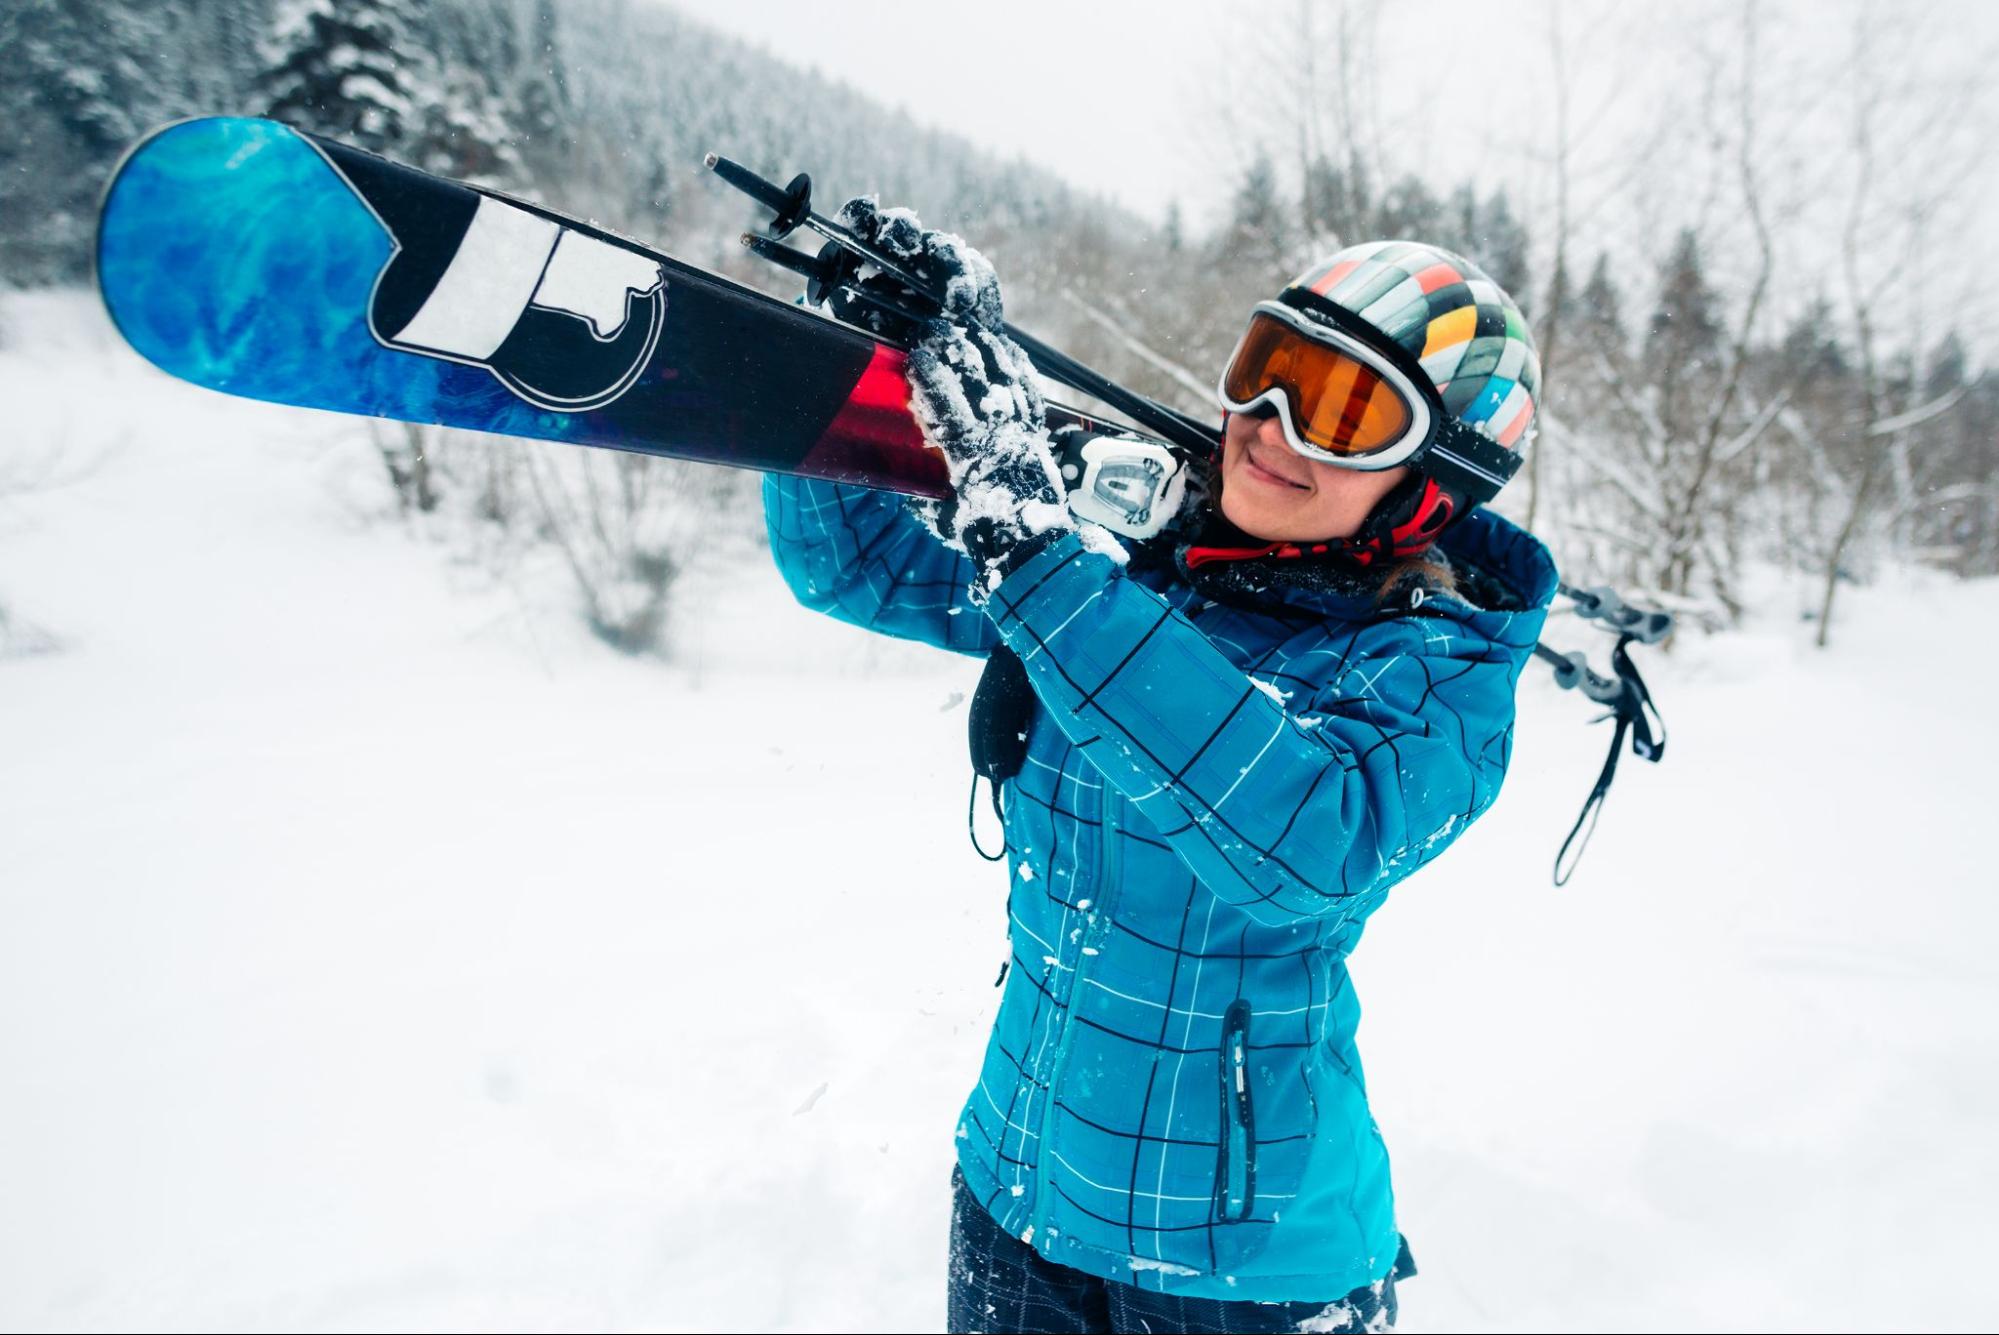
[[973, 392]]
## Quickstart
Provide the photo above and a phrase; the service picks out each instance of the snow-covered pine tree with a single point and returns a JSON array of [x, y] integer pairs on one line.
[[343, 68], [367, 72], [463, 133], [1409, 208], [542, 105], [222, 51], [82, 82], [1498, 244], [1259, 234], [1684, 340], [1599, 314], [92, 66], [467, 81]]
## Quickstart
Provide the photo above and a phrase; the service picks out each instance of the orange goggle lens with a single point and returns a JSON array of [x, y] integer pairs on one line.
[[1338, 404]]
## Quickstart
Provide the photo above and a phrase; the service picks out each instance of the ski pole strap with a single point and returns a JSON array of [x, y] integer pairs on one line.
[[1591, 807], [1638, 700], [1635, 714], [972, 824]]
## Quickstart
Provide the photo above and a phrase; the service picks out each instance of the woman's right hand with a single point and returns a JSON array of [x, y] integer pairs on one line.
[[973, 392]]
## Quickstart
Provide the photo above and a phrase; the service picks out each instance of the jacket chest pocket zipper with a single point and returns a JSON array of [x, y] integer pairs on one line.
[[1104, 893], [1235, 1173]]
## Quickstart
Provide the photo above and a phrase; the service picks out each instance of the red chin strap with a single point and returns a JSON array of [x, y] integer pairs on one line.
[[1200, 556]]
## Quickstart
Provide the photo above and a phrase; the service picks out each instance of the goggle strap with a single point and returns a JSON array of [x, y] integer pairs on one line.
[[1468, 462]]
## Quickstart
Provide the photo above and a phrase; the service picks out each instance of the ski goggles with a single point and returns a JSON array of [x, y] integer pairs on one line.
[[1348, 397]]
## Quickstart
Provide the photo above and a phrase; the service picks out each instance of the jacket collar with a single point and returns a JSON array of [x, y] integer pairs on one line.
[[1501, 569]]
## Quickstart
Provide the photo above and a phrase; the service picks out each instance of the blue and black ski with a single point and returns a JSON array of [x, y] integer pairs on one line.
[[248, 257]]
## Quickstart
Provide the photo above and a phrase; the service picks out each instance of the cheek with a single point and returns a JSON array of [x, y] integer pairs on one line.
[[1232, 454], [1235, 438], [1346, 498]]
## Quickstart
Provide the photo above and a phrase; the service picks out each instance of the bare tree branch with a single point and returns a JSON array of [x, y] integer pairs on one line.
[[1927, 412]]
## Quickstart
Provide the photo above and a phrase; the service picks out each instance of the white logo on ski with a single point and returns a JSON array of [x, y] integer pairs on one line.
[[562, 319]]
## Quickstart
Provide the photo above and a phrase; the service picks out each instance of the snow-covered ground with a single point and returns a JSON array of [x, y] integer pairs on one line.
[[377, 950]]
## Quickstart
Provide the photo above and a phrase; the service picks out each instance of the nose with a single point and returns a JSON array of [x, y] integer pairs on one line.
[[1270, 433]]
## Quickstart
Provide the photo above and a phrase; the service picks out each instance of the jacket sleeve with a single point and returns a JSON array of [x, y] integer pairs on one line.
[[1291, 808], [862, 556]]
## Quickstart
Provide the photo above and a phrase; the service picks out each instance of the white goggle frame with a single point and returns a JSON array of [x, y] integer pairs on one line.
[[1400, 451]]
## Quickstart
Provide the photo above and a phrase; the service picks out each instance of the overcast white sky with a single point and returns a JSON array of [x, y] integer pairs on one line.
[[1109, 93], [1133, 98], [1112, 92]]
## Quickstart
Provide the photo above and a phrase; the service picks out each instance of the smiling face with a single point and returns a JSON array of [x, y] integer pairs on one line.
[[1272, 492]]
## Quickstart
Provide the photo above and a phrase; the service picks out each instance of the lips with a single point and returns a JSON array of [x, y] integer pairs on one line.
[[1263, 474]]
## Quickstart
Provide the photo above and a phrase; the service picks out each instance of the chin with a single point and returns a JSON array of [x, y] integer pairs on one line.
[[1258, 522]]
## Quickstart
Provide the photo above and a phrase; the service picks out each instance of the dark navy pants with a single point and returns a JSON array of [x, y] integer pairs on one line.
[[999, 1283]]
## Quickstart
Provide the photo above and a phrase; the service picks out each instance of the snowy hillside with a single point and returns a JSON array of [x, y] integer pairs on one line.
[[378, 950]]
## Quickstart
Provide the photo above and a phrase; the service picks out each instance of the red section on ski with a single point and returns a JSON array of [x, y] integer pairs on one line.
[[873, 438]]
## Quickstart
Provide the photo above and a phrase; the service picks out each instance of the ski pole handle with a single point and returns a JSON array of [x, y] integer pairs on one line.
[[1601, 603], [806, 266], [792, 204], [756, 187], [1573, 672]]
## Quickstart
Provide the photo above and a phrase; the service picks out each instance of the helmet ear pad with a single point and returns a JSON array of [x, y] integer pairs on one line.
[[1407, 520]]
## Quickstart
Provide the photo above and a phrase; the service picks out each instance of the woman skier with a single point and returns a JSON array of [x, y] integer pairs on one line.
[[1237, 738]]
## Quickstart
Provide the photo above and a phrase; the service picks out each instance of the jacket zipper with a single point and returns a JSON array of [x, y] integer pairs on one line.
[[1102, 892], [1235, 1174]]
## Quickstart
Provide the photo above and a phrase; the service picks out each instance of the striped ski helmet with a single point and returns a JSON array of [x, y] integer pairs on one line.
[[1471, 341]]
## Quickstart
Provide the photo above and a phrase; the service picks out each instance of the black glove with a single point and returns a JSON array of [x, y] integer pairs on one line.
[[973, 392], [943, 261]]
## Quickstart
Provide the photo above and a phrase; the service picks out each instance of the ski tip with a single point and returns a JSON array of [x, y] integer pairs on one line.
[[142, 151], [183, 247]]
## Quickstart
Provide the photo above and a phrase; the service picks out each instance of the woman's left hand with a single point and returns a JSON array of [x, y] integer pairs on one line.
[[973, 392]]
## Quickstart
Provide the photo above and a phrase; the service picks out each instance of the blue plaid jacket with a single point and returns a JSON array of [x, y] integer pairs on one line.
[[1214, 799]]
